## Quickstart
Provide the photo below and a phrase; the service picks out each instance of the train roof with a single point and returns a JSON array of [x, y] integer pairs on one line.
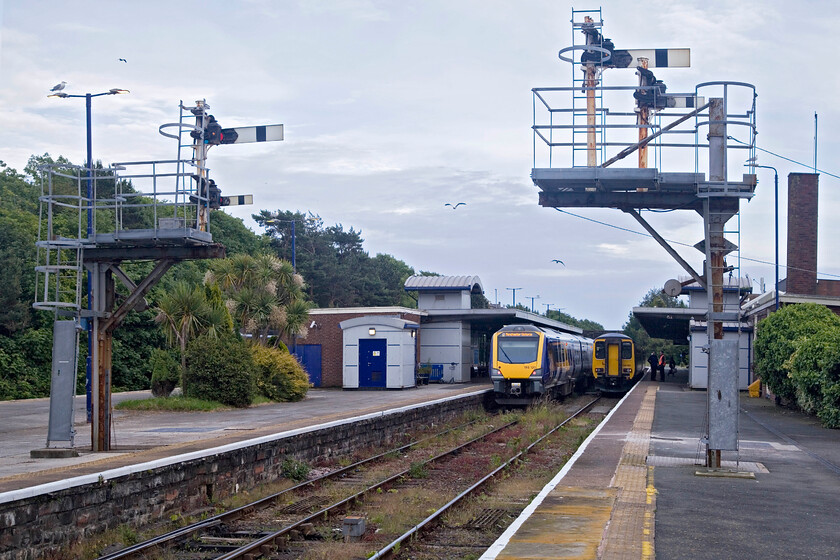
[[612, 335], [555, 334]]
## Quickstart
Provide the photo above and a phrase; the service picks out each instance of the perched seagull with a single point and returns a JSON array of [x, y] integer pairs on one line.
[[59, 87], [558, 261], [456, 206], [123, 60]]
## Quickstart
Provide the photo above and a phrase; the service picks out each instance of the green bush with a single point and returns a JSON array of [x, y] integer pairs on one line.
[[279, 375], [166, 372], [776, 339], [220, 369], [815, 373], [294, 469], [25, 364]]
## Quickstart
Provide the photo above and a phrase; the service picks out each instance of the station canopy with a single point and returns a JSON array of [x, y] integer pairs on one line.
[[670, 323]]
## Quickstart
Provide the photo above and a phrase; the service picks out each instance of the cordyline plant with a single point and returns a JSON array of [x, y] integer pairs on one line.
[[264, 294]]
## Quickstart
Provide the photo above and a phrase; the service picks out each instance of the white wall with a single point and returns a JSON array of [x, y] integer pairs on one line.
[[447, 343], [399, 357], [455, 299]]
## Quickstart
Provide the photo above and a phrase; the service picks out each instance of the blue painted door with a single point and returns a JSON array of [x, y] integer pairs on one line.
[[373, 362], [309, 356]]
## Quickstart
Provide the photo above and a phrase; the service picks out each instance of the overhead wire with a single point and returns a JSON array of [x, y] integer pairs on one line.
[[774, 154], [680, 243]]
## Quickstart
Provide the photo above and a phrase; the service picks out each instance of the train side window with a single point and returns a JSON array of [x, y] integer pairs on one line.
[[626, 350], [600, 350], [552, 355]]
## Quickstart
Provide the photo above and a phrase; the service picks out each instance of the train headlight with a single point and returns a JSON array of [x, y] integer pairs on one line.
[[536, 373], [495, 372], [599, 370], [627, 370]]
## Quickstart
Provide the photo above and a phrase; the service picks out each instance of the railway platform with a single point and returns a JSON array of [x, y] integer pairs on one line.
[[638, 490], [142, 437], [635, 490]]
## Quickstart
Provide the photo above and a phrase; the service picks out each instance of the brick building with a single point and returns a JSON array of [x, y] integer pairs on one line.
[[450, 339], [801, 284]]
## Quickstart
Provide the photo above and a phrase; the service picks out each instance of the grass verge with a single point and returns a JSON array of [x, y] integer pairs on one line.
[[181, 404]]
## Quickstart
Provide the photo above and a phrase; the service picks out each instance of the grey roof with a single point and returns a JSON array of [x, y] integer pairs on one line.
[[432, 283]]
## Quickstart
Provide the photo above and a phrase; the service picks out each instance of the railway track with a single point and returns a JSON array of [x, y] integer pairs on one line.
[[370, 495], [151, 548]]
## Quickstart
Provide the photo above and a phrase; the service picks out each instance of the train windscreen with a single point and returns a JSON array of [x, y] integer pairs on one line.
[[519, 350]]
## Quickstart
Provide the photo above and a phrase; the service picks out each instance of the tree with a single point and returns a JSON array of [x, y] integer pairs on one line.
[[338, 271], [264, 294], [584, 324], [185, 313], [655, 297]]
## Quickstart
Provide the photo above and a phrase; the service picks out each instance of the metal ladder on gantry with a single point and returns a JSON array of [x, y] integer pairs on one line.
[[78, 266], [577, 120]]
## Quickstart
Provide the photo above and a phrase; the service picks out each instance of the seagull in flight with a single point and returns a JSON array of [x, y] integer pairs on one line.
[[558, 261], [456, 205], [123, 60], [59, 87]]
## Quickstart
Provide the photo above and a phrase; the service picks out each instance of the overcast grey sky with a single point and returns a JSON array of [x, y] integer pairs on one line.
[[393, 108]]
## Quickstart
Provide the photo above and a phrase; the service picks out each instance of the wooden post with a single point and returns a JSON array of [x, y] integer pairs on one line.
[[591, 144]]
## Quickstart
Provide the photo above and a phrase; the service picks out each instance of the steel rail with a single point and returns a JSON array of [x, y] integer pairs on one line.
[[185, 532], [263, 545], [390, 549]]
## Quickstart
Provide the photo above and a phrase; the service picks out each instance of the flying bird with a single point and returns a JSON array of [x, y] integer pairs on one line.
[[59, 87], [123, 60], [456, 205], [558, 261]]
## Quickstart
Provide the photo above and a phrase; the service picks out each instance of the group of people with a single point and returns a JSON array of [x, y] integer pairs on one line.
[[658, 364]]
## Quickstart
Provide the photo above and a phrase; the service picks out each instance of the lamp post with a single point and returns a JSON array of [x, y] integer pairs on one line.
[[751, 163], [280, 220], [547, 307], [532, 298], [514, 294], [89, 165]]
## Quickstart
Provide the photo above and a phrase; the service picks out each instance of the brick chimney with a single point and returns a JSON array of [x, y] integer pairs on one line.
[[803, 195]]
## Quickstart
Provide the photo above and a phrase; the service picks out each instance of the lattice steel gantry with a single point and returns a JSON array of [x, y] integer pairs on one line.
[[176, 196], [658, 122]]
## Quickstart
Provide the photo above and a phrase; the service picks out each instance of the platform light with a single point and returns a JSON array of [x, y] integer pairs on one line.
[[371, 331]]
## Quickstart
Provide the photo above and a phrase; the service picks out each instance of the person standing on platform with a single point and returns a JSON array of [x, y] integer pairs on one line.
[[662, 366], [654, 365]]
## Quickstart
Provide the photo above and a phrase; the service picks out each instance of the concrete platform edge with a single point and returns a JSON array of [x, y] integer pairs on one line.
[[24, 493], [499, 545]]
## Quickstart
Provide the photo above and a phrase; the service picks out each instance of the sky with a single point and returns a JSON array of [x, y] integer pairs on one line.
[[392, 109]]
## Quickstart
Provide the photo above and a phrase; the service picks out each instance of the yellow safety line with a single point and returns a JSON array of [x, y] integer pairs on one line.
[[630, 533]]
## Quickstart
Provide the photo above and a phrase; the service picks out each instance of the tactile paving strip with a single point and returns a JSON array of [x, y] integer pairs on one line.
[[630, 533]]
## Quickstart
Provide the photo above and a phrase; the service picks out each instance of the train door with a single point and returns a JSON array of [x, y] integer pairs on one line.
[[613, 361]]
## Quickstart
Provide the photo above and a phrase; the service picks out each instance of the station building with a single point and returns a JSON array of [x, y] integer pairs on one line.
[[444, 340]]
